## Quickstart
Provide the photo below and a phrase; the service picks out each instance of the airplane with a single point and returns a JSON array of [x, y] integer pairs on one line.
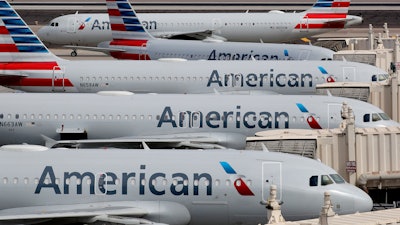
[[274, 26], [175, 187], [26, 64], [173, 120], [132, 41]]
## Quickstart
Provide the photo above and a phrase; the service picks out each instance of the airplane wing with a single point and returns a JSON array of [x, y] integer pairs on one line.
[[192, 140], [120, 212], [139, 143], [95, 49], [194, 35]]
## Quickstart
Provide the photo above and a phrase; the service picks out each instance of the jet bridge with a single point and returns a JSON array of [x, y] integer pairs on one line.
[[366, 157]]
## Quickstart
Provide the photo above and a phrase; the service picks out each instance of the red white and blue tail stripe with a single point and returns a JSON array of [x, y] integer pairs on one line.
[[24, 59], [325, 14], [127, 31]]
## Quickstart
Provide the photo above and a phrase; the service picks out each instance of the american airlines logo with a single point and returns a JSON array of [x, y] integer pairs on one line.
[[214, 119], [122, 183], [238, 182], [111, 183], [260, 80]]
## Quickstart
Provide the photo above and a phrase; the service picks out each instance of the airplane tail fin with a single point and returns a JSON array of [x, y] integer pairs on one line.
[[329, 14], [127, 30], [125, 24], [21, 51]]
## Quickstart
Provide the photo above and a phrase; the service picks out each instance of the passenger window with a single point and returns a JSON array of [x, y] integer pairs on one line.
[[325, 180], [314, 181]]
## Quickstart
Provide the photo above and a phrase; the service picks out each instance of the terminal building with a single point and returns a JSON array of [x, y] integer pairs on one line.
[[368, 158]]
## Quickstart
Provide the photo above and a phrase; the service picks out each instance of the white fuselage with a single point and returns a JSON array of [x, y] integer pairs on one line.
[[231, 118], [198, 50], [169, 76], [245, 27], [169, 186]]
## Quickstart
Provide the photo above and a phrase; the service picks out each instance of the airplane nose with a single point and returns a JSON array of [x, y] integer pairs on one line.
[[43, 33], [362, 201]]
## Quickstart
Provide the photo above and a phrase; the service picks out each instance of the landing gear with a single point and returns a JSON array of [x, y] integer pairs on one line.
[[74, 53]]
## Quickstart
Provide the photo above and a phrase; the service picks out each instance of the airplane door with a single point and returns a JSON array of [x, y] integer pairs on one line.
[[349, 74], [58, 80], [72, 23], [271, 174], [143, 53], [335, 117], [304, 24]]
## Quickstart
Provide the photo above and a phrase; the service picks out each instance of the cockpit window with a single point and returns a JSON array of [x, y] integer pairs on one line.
[[366, 118], [54, 24], [384, 116], [326, 180], [314, 181], [383, 77], [337, 178], [375, 117], [380, 77]]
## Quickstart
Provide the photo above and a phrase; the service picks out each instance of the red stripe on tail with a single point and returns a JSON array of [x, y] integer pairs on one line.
[[118, 27], [114, 12], [3, 30], [8, 48]]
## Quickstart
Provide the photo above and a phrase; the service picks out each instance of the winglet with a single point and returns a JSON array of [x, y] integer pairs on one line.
[[264, 147], [145, 146], [49, 142]]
